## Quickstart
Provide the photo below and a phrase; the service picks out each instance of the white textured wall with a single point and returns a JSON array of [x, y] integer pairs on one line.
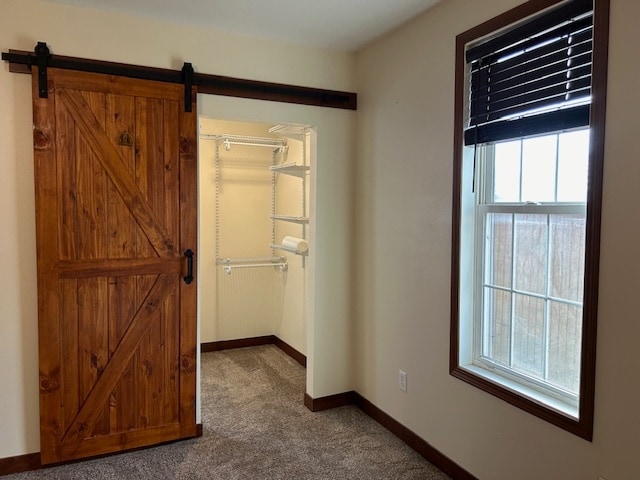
[[404, 175], [88, 33]]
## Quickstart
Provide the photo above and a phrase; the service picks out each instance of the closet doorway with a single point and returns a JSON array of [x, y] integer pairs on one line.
[[327, 329], [255, 196]]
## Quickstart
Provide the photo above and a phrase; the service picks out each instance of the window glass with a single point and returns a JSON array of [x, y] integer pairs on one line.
[[499, 248], [507, 172], [566, 249], [528, 334], [565, 335], [573, 166], [498, 310], [530, 252], [539, 169]]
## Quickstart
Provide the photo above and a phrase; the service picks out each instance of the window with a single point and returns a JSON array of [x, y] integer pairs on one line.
[[530, 236], [526, 217]]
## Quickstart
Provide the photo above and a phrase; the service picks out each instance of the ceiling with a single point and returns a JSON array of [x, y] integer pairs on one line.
[[337, 24]]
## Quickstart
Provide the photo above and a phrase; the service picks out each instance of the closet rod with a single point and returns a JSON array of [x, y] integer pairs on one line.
[[245, 140], [283, 266], [228, 143], [236, 260]]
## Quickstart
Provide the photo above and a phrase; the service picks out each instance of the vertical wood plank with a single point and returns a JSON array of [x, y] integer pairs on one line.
[[94, 328], [143, 249], [98, 179], [122, 308], [144, 364], [69, 335], [121, 225], [155, 371], [92, 341], [156, 195], [91, 190], [171, 400], [120, 112], [155, 157], [171, 168], [46, 201], [171, 340], [188, 295], [65, 153]]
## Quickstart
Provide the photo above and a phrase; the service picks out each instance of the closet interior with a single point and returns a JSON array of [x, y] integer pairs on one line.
[[254, 230]]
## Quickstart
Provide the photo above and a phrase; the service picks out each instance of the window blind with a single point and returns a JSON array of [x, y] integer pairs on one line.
[[533, 79]]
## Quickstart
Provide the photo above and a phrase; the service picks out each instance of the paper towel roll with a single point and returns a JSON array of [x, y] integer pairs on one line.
[[298, 245]]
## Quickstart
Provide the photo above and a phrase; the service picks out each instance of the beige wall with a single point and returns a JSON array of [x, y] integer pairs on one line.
[[404, 172], [107, 36]]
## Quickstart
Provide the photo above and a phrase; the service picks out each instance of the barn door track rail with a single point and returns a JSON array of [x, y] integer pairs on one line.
[[21, 61]]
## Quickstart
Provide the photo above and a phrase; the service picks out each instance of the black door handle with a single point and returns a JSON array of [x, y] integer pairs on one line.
[[189, 254]]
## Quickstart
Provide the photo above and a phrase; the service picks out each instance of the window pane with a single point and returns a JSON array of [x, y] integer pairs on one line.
[[499, 249], [531, 253], [498, 325], [528, 335], [565, 336], [506, 182], [567, 239], [573, 165], [539, 169]]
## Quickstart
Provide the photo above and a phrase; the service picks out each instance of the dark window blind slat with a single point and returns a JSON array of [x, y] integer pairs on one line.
[[528, 82], [550, 54], [578, 31], [483, 84], [547, 71], [480, 84], [531, 89], [554, 121], [572, 9], [554, 97]]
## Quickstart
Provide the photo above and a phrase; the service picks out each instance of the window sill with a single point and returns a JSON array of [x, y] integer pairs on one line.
[[545, 401]]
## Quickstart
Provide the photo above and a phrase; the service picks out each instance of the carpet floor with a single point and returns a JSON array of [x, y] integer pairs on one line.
[[256, 427]]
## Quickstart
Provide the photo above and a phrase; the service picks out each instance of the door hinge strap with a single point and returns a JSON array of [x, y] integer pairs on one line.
[[187, 79], [42, 54]]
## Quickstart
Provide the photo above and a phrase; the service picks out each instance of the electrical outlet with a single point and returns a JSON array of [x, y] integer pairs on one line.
[[402, 380]]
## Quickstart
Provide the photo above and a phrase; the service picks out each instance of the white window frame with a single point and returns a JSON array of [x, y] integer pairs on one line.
[[561, 400]]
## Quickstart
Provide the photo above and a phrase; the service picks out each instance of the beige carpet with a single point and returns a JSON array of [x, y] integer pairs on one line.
[[256, 427]]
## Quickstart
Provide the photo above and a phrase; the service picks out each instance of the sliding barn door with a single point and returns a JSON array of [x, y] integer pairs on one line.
[[115, 173]]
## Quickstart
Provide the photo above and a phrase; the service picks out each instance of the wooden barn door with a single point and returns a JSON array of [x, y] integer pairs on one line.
[[115, 173]]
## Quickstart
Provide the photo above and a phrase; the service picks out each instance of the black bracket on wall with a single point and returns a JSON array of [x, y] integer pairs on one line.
[[42, 55], [187, 79]]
